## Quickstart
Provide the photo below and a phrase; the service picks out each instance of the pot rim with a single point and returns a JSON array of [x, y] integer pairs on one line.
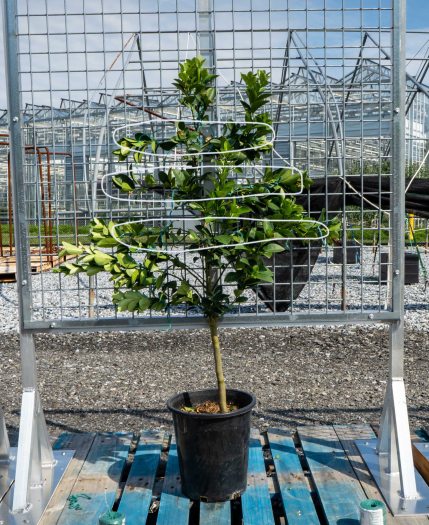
[[209, 391]]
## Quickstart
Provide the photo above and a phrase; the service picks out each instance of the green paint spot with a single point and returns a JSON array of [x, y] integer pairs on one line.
[[111, 518], [73, 500]]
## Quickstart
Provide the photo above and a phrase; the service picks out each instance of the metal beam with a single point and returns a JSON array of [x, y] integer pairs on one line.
[[34, 449], [395, 458]]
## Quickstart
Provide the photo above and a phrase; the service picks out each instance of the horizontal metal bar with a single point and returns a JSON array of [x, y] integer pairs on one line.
[[249, 321]]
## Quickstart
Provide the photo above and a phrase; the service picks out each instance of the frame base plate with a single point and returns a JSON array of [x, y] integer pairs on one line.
[[389, 484], [39, 496]]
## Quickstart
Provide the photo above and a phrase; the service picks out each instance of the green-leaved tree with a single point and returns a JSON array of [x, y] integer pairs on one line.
[[225, 257]]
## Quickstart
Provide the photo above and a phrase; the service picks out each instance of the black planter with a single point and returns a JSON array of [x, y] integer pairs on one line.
[[213, 449], [352, 253], [411, 268]]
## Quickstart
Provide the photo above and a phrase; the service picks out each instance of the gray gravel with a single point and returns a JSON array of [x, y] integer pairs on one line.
[[55, 296], [120, 381]]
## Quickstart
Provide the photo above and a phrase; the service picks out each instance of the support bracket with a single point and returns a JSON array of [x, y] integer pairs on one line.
[[34, 451], [390, 458]]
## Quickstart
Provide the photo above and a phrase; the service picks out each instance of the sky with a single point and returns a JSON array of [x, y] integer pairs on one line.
[[71, 74]]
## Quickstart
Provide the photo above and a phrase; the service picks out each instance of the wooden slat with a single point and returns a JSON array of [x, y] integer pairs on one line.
[[137, 495], [339, 490], [98, 478], [421, 461], [80, 443], [347, 435], [215, 513], [174, 506], [294, 489], [256, 501], [38, 263]]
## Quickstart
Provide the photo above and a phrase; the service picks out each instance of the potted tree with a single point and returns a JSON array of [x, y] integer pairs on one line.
[[207, 254]]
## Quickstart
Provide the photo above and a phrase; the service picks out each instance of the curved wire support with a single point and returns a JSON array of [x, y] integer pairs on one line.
[[190, 121], [214, 166], [171, 201], [218, 246]]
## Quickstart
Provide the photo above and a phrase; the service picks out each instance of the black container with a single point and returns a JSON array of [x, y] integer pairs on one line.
[[411, 268], [352, 253], [213, 449]]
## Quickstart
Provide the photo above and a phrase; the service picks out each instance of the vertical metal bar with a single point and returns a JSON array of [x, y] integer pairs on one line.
[[24, 465], [395, 409], [398, 182], [33, 446], [23, 269]]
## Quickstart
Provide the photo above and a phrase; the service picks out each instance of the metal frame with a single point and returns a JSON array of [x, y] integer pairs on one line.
[[394, 446], [34, 451], [34, 448]]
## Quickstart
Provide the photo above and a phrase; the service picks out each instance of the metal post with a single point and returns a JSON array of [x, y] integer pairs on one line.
[[34, 449], [394, 437], [390, 459], [206, 47]]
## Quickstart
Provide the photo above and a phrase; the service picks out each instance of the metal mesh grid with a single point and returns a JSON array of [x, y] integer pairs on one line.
[[89, 67]]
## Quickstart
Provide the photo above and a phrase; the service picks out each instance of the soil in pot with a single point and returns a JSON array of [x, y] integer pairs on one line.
[[213, 448]]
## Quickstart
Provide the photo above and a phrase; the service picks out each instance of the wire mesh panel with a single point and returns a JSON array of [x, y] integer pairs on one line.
[[89, 68]]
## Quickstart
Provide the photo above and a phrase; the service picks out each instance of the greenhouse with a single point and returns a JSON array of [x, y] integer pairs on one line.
[[214, 262]]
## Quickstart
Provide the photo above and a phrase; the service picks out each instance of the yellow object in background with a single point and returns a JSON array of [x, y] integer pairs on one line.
[[411, 226]]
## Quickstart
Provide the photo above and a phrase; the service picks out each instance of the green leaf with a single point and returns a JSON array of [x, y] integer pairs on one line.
[[126, 260], [264, 275], [168, 145], [232, 277], [144, 303], [101, 258], [124, 182], [92, 270], [224, 239], [107, 242], [70, 249], [273, 248]]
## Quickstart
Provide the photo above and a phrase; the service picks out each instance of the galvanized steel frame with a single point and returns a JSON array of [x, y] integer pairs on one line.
[[394, 440], [34, 448]]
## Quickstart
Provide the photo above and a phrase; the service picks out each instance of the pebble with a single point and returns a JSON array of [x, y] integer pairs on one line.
[[301, 375], [67, 297]]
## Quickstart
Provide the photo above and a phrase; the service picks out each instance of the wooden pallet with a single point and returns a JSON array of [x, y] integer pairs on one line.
[[38, 263], [314, 477]]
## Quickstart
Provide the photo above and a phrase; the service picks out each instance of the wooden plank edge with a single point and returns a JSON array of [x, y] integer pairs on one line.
[[62, 492], [89, 477], [138, 486], [292, 478]]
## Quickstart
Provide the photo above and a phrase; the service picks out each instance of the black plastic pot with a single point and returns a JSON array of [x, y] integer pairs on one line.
[[411, 275], [213, 449], [353, 254]]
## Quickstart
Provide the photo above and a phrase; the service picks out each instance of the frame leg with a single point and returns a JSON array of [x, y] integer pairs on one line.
[[394, 440], [34, 448]]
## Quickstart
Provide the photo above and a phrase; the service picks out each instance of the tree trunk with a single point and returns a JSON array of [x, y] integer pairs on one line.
[[213, 323]]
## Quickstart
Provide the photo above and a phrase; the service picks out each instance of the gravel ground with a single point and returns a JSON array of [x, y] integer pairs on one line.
[[55, 296], [120, 381]]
